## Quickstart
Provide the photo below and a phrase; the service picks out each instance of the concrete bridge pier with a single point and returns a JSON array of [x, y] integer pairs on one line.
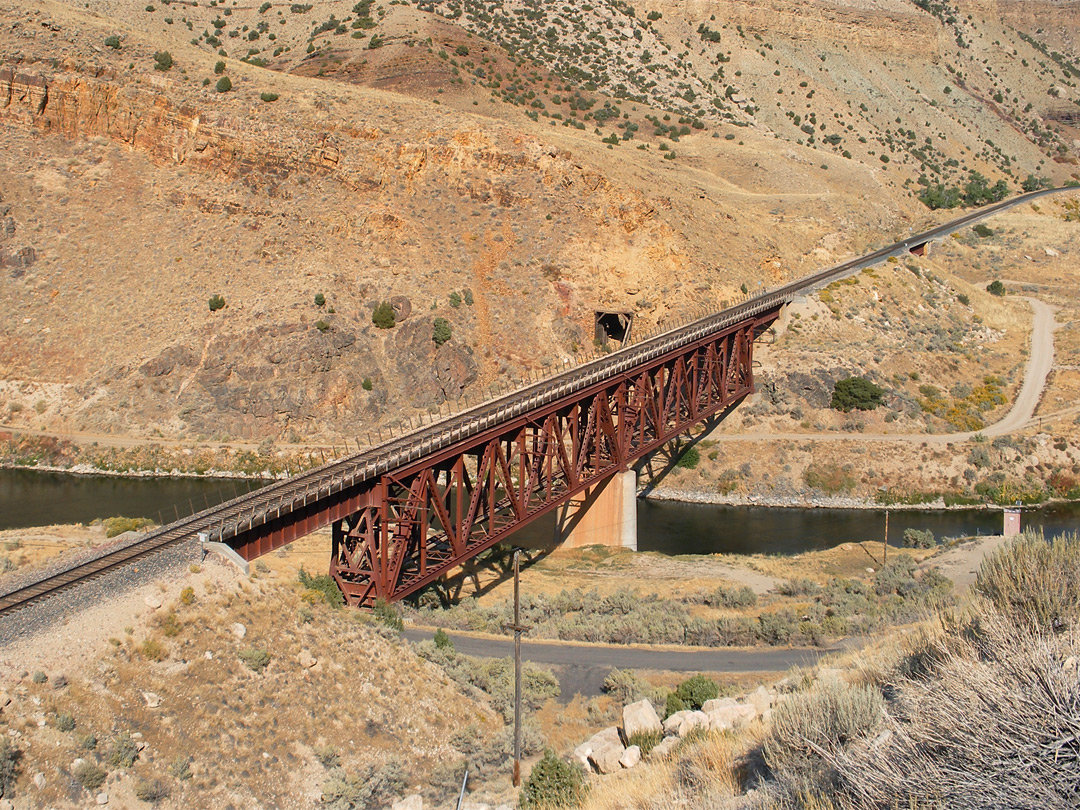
[[604, 515]]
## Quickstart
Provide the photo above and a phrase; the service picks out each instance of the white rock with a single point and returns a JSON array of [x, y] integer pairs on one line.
[[209, 656], [607, 749], [39, 780], [152, 699], [640, 718], [306, 659], [75, 763], [664, 748], [152, 601], [102, 798], [718, 703], [5, 804], [414, 802], [761, 699], [682, 723], [631, 757], [238, 630], [581, 754], [1051, 252]]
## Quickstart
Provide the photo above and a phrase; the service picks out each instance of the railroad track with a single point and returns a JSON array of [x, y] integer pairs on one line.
[[240, 514]]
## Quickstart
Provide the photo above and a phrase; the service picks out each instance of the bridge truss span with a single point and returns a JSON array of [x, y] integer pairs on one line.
[[419, 522]]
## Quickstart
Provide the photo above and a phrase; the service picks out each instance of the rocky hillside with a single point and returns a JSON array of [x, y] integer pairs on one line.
[[503, 166]]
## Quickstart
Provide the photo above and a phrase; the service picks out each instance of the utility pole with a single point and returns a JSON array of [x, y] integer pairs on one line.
[[518, 630]]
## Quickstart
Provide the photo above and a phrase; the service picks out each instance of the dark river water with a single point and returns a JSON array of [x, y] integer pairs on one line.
[[30, 498]]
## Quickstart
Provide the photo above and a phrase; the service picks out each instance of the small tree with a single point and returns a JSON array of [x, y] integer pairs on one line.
[[440, 332], [856, 393], [552, 784], [455, 299], [162, 60], [442, 641], [224, 84], [383, 316], [219, 68], [112, 42], [995, 287], [216, 302]]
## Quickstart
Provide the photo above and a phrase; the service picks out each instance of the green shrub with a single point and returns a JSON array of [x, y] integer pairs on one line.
[[9, 765], [112, 42], [552, 784], [995, 288], [265, 7], [123, 752], [163, 60], [65, 722], [440, 332], [461, 50], [367, 384], [673, 703], [819, 723], [180, 768], [829, 478], [256, 658], [455, 300], [387, 614], [323, 586], [964, 299], [116, 526], [219, 68], [383, 316], [689, 460], [187, 596], [322, 325], [89, 775], [468, 297], [320, 299], [224, 84], [694, 691], [153, 650], [1034, 581], [856, 393], [39, 677], [268, 97], [442, 641], [216, 302], [626, 686], [916, 538], [983, 231], [645, 740], [150, 790]]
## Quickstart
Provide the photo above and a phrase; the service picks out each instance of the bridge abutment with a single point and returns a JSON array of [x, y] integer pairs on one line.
[[604, 515]]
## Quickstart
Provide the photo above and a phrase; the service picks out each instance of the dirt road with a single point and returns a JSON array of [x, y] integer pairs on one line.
[[1020, 416]]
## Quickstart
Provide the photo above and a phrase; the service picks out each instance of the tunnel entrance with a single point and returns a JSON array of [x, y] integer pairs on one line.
[[613, 327]]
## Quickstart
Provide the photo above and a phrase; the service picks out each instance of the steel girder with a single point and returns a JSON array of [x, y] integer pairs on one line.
[[417, 523]]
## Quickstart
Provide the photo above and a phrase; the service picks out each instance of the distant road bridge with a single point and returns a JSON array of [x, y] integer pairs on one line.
[[407, 512]]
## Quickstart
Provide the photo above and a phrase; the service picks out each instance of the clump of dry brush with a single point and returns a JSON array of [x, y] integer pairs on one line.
[[983, 714]]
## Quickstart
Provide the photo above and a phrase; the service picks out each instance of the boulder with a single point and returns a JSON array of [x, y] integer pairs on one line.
[[606, 750], [640, 718], [306, 659], [732, 715], [102, 798], [39, 780], [682, 723], [414, 802], [664, 748], [152, 700], [238, 630], [581, 754], [761, 699], [152, 602], [631, 757]]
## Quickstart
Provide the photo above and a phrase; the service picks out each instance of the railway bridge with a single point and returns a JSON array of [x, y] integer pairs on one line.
[[410, 510]]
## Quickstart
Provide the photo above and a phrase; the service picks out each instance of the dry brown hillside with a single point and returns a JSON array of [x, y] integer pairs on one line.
[[506, 167]]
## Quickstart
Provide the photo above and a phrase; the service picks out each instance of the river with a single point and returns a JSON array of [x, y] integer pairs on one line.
[[32, 498]]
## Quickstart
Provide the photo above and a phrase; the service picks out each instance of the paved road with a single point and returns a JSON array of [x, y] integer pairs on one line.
[[1021, 415], [584, 666]]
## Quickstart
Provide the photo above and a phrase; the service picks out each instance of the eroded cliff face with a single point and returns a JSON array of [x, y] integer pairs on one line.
[[143, 194]]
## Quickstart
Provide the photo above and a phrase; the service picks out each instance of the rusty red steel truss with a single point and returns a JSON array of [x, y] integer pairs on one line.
[[419, 522]]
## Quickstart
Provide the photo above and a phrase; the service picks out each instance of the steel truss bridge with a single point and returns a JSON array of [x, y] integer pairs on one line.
[[407, 512]]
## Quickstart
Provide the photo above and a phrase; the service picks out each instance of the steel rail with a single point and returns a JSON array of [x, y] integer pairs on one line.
[[232, 518]]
